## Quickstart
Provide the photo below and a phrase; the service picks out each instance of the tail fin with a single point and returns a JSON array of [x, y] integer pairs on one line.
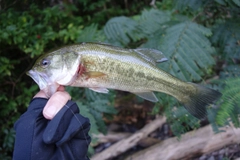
[[198, 102]]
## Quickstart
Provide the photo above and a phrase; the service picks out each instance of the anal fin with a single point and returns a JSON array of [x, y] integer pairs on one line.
[[150, 96]]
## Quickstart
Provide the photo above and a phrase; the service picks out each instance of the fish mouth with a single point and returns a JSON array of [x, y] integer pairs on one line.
[[33, 75], [42, 83]]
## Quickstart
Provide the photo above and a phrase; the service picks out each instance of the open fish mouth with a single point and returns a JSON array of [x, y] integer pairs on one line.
[[38, 78]]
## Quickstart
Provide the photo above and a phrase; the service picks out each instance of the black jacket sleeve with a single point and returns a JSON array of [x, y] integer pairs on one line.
[[65, 137]]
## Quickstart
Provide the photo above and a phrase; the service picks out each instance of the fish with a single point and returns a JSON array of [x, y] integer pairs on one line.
[[101, 67]]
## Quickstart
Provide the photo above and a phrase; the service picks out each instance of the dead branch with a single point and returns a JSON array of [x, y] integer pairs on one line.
[[191, 144], [113, 137], [125, 144], [153, 3]]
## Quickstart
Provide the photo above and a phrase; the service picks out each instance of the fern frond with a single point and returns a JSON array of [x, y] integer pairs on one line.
[[237, 2], [232, 3], [93, 105], [103, 106], [151, 20], [230, 71], [193, 4], [84, 110], [188, 50], [230, 103], [222, 2], [120, 30], [91, 34], [181, 121], [227, 37]]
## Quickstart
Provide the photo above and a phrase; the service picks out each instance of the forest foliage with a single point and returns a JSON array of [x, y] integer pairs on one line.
[[200, 38]]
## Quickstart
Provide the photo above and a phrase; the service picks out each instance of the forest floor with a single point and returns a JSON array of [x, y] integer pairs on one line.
[[132, 117]]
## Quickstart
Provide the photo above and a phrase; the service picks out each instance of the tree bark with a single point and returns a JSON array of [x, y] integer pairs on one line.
[[125, 144], [191, 144], [113, 137]]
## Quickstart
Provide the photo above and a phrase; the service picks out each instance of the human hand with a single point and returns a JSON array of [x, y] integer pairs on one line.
[[52, 129], [55, 103]]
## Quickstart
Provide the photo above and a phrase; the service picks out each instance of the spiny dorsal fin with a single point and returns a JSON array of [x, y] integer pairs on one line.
[[151, 55]]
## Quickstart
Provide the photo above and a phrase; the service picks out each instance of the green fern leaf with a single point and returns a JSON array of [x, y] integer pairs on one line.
[[222, 2], [120, 30], [237, 2], [93, 105], [154, 40], [103, 106], [227, 37], [90, 34], [99, 121], [231, 71], [230, 105], [151, 20], [181, 121], [193, 4], [154, 23], [232, 3], [84, 110], [188, 50], [212, 113]]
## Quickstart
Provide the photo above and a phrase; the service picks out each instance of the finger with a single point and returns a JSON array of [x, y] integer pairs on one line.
[[61, 88], [40, 94], [55, 104]]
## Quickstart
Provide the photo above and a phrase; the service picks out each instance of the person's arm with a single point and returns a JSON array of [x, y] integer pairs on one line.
[[51, 129]]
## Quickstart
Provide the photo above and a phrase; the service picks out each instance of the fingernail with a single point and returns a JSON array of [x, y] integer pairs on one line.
[[50, 112]]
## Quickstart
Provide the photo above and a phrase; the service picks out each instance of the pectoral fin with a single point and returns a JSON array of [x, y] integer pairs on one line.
[[150, 96], [100, 90], [93, 74]]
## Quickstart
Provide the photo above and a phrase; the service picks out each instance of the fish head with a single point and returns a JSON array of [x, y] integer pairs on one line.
[[54, 69]]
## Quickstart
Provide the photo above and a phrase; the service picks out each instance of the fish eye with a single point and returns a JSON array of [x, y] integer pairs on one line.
[[44, 63]]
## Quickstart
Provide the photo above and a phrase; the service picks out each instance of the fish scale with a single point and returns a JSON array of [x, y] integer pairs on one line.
[[117, 75]]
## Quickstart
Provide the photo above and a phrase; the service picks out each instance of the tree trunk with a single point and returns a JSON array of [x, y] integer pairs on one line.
[[191, 144]]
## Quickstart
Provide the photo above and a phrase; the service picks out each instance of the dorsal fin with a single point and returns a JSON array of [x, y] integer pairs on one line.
[[151, 55]]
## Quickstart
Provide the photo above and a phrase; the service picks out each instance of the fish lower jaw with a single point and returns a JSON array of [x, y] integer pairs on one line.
[[51, 89]]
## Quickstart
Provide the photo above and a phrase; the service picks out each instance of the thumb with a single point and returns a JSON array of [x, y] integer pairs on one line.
[[55, 104]]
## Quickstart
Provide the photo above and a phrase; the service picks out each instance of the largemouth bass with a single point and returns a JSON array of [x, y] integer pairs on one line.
[[100, 67]]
